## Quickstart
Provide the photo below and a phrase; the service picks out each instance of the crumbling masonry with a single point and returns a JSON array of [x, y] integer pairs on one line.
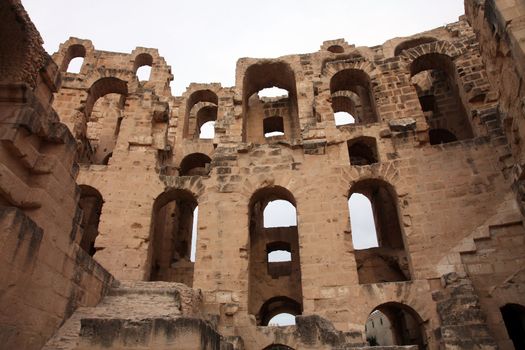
[[101, 173]]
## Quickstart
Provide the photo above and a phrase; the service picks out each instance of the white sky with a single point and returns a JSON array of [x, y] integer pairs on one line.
[[202, 40]]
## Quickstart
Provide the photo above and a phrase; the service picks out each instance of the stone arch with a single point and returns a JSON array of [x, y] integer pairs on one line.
[[406, 324], [195, 164], [104, 86], [344, 79], [389, 260], [436, 47], [200, 95], [278, 347], [412, 43], [264, 285], [201, 113], [171, 235], [277, 305], [438, 86], [72, 48], [267, 74]]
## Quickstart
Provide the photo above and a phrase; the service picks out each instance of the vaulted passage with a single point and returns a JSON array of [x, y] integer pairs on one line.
[[514, 318], [351, 93], [395, 324], [434, 78], [270, 103], [174, 230], [376, 233], [274, 266], [91, 204]]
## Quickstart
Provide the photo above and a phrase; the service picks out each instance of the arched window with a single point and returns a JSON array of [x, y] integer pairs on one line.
[[336, 49], [207, 130], [73, 59], [385, 260], [514, 318], [91, 204], [283, 307], [142, 66], [274, 268], [269, 102], [195, 164], [174, 237], [201, 109], [351, 92], [434, 78], [394, 324]]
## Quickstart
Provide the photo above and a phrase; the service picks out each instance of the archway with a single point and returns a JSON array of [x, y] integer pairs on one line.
[[514, 317], [173, 230], [393, 324], [90, 202], [274, 264]]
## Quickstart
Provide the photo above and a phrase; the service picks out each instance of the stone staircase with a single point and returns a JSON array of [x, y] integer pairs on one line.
[[137, 312]]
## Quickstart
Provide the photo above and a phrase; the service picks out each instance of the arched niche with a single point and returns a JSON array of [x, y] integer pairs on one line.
[[267, 279], [362, 151], [514, 318], [172, 232], [261, 76], [434, 78], [388, 262]]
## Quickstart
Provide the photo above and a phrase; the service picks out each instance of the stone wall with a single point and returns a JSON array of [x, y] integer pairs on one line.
[[44, 273]]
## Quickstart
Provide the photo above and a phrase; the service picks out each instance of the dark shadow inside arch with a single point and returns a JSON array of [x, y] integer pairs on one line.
[[90, 202], [395, 324], [388, 261], [514, 318], [362, 151], [171, 235], [435, 80], [195, 164], [278, 347]]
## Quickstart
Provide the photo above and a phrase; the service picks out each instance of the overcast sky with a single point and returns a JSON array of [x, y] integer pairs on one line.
[[202, 40]]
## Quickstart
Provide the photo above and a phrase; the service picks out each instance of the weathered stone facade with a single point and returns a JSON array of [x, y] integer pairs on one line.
[[435, 147]]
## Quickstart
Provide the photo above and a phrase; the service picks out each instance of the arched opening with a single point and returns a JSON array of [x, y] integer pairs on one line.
[[174, 235], [201, 108], [206, 118], [103, 126], [439, 136], [336, 49], [278, 347], [362, 151], [394, 324], [195, 164], [351, 92], [274, 265], [279, 306], [411, 43], [434, 78], [282, 320], [91, 204], [73, 59], [142, 66], [269, 90], [273, 126], [388, 260], [514, 318]]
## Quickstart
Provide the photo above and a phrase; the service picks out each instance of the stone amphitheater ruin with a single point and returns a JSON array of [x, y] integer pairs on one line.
[[101, 173]]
